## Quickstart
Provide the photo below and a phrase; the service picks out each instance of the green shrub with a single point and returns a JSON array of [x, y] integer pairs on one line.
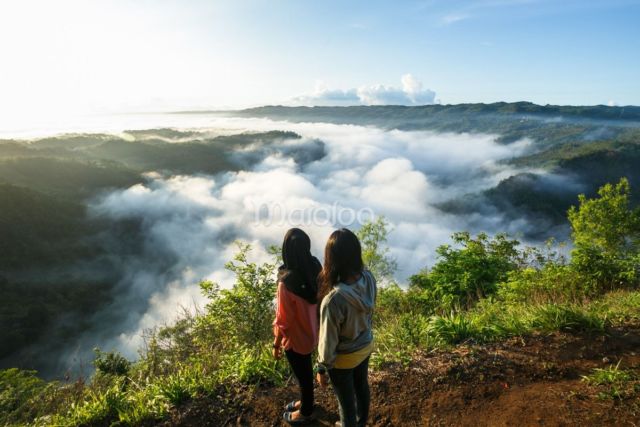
[[188, 381], [97, 407], [176, 388], [606, 237], [609, 375], [18, 390], [111, 363], [464, 275], [243, 314], [145, 404], [393, 300], [551, 282], [496, 319]]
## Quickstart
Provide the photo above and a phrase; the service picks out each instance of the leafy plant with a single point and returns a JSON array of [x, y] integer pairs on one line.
[[617, 381], [175, 388], [17, 390], [373, 236], [471, 272], [453, 328], [393, 300], [554, 317], [111, 363], [97, 406], [253, 366], [606, 236], [242, 314], [398, 338], [610, 375]]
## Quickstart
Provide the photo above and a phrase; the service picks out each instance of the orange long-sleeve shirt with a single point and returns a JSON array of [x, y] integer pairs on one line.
[[296, 321]]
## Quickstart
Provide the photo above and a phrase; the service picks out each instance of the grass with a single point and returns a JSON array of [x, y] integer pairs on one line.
[[142, 396], [453, 328], [609, 375], [617, 383], [620, 307], [570, 318], [400, 336]]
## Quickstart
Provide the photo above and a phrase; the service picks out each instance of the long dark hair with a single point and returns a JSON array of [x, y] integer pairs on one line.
[[299, 270], [342, 259]]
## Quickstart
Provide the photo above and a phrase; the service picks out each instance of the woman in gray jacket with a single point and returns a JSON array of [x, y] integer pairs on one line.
[[348, 294]]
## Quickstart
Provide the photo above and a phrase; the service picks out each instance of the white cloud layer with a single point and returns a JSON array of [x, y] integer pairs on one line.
[[411, 92], [193, 220]]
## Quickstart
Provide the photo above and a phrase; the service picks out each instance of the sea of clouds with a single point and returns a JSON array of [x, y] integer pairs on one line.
[[190, 223]]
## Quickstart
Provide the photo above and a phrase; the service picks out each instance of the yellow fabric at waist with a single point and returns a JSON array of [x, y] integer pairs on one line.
[[351, 360]]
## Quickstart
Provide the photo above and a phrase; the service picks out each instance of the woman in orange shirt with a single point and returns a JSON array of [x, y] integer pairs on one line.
[[296, 324]]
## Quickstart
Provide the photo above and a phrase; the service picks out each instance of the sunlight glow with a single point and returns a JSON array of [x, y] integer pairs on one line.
[[69, 57]]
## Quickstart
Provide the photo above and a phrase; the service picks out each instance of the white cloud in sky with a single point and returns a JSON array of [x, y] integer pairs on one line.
[[410, 92], [453, 18]]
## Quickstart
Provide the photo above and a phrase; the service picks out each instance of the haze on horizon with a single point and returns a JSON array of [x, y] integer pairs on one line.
[[74, 56]]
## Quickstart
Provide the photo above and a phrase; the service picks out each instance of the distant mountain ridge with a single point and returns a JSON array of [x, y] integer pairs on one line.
[[548, 125], [602, 112]]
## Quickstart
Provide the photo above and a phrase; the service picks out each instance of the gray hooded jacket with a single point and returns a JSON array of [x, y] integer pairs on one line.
[[346, 315]]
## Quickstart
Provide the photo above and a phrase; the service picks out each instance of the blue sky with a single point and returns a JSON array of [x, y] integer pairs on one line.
[[158, 55]]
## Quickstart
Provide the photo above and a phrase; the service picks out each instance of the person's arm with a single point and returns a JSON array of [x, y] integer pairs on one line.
[[375, 287], [330, 320], [277, 342]]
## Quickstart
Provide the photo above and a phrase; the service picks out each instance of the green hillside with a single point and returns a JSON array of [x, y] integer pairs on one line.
[[490, 315], [48, 242], [54, 272]]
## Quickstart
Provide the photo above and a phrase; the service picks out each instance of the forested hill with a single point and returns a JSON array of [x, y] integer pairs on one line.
[[598, 112], [59, 264], [546, 124]]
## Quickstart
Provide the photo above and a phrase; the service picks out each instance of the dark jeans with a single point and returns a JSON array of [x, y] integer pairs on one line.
[[303, 370], [352, 389]]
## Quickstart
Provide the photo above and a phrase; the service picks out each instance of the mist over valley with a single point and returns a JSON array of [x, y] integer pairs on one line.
[[105, 235]]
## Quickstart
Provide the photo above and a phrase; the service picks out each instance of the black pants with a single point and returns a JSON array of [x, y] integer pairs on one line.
[[352, 389], [303, 370]]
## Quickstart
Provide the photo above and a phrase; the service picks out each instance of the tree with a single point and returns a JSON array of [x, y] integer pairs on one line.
[[606, 237], [375, 254]]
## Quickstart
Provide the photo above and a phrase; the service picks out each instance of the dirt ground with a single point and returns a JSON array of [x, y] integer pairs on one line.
[[535, 381]]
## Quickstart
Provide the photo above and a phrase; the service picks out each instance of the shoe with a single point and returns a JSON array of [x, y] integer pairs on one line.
[[292, 406], [300, 421]]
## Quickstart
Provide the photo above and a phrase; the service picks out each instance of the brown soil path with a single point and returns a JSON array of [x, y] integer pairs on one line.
[[534, 381]]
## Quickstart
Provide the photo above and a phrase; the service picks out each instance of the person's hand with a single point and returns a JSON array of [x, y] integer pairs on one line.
[[277, 352], [322, 379], [285, 342]]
